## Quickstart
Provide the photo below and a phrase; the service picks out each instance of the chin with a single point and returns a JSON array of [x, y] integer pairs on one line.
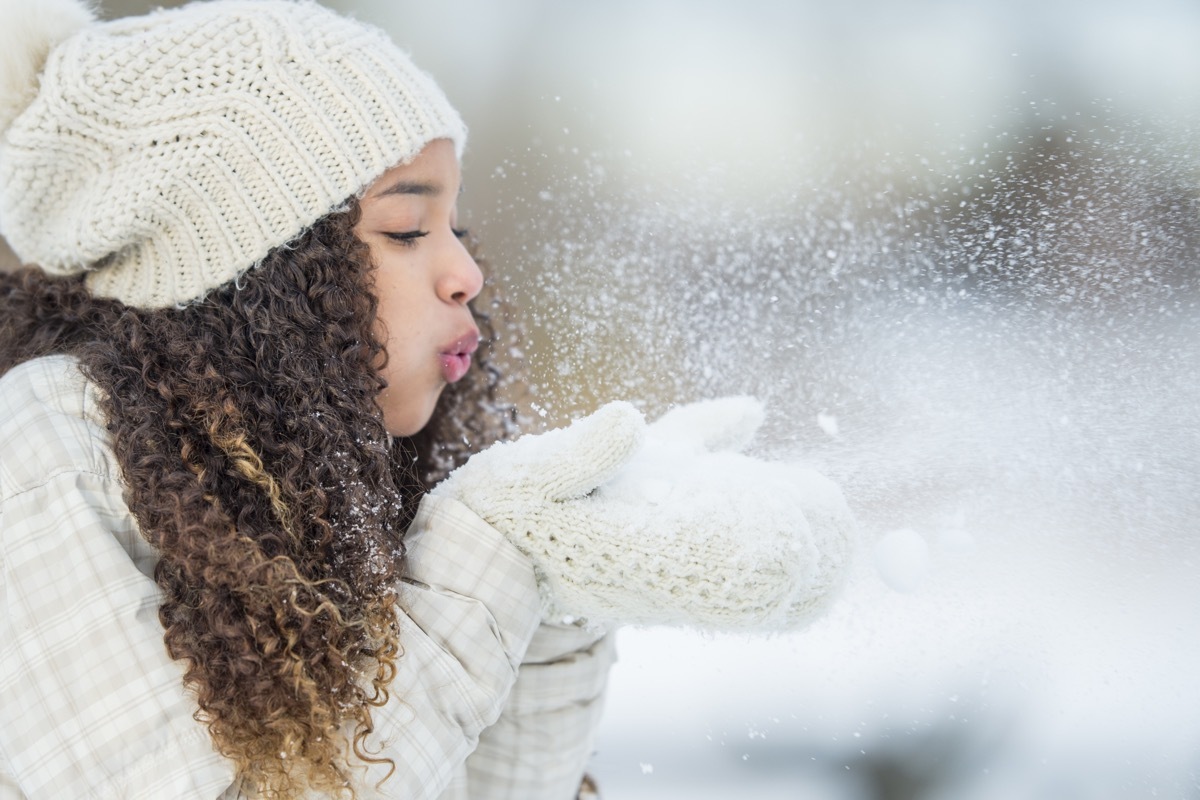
[[410, 422], [407, 428]]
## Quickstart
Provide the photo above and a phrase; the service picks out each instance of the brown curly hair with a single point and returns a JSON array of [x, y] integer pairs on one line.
[[256, 462]]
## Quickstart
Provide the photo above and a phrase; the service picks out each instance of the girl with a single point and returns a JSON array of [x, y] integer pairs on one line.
[[250, 341]]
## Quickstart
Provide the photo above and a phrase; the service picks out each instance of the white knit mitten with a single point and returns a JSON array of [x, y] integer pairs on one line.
[[764, 512], [629, 524]]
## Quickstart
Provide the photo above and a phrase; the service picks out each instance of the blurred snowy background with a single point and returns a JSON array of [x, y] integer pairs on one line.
[[954, 246]]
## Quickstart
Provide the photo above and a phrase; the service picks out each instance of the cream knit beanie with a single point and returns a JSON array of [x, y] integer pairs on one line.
[[165, 155]]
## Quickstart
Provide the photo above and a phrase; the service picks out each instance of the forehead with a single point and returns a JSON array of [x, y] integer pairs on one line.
[[434, 171]]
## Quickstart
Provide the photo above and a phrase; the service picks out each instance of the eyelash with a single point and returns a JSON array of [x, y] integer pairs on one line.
[[409, 238]]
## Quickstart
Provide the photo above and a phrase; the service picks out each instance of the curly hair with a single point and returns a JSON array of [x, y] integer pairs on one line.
[[256, 462]]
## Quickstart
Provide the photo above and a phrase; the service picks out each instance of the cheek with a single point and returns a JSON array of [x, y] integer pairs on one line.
[[409, 401], [402, 327], [399, 330], [396, 320], [409, 370]]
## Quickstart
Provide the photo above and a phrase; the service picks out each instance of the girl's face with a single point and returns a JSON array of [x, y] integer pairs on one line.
[[424, 278]]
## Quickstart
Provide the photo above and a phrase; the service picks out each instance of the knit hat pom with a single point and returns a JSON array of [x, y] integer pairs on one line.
[[28, 32]]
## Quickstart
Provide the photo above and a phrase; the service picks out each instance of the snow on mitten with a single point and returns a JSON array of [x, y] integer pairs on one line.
[[726, 423], [665, 533], [834, 534], [729, 423], [769, 514]]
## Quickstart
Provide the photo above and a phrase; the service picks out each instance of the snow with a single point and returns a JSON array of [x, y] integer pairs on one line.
[[955, 251], [1003, 367], [828, 423], [1009, 667], [902, 558]]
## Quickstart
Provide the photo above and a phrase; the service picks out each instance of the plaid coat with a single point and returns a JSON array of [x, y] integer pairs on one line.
[[488, 703]]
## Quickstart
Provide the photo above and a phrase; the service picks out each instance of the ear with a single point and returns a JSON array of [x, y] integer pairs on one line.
[[726, 423], [579, 458]]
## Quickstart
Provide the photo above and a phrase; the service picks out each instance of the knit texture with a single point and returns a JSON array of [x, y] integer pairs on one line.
[[167, 154], [633, 525], [28, 32]]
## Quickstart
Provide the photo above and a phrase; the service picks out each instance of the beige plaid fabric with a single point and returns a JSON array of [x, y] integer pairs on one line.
[[487, 702]]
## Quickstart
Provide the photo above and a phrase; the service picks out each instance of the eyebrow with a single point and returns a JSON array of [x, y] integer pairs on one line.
[[419, 188], [411, 187]]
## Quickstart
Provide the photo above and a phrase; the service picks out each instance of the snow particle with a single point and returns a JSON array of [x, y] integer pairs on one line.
[[828, 423], [902, 559]]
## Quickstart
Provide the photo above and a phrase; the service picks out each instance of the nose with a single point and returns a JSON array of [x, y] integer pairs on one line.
[[461, 279]]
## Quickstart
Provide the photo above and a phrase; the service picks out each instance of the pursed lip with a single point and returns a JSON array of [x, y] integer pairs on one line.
[[464, 345], [455, 358]]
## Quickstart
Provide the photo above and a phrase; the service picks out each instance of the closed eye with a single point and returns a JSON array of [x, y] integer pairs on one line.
[[407, 238], [460, 233]]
